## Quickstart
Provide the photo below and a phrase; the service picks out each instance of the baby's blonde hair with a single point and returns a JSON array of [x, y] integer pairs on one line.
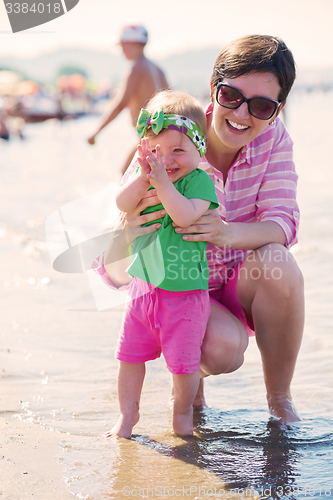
[[174, 102]]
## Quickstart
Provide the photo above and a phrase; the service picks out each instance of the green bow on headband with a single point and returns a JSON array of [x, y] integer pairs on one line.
[[159, 120], [146, 120]]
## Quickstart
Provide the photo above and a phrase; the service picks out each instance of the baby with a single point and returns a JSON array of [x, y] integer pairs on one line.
[[168, 306]]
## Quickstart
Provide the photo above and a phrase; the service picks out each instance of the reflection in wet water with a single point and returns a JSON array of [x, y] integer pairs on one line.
[[252, 456]]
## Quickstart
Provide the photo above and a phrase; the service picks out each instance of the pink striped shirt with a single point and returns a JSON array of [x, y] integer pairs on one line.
[[261, 186]]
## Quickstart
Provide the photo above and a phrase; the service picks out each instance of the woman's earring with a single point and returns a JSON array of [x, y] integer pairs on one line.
[[272, 123]]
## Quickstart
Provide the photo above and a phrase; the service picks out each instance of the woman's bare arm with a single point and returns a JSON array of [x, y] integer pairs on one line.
[[246, 236]]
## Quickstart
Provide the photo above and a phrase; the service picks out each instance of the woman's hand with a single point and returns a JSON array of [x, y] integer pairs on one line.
[[132, 222], [242, 235], [210, 227]]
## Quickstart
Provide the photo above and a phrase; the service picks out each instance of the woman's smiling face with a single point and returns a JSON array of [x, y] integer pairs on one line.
[[236, 127]]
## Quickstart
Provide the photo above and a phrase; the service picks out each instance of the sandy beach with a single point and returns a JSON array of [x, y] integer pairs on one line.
[[57, 369], [30, 455], [28, 465]]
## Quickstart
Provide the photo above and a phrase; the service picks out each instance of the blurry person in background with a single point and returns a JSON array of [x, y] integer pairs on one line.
[[11, 123], [143, 80], [4, 132]]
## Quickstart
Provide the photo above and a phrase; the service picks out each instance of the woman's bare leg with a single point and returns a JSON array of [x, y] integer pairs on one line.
[[130, 381], [224, 344], [270, 289], [222, 349]]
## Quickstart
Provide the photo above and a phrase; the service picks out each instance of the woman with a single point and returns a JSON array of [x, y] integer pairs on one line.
[[256, 285]]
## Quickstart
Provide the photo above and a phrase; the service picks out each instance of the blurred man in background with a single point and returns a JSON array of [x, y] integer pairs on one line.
[[142, 82]]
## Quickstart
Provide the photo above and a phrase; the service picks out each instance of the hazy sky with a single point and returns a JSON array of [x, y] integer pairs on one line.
[[175, 25]]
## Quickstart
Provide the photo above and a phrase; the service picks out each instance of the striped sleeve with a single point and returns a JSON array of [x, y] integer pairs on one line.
[[98, 267], [276, 200]]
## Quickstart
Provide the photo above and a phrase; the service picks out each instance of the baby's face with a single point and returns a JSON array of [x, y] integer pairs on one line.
[[179, 153]]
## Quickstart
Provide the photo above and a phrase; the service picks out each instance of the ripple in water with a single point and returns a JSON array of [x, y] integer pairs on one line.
[[251, 454]]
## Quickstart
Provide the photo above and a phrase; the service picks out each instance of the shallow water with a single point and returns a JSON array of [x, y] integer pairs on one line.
[[56, 353]]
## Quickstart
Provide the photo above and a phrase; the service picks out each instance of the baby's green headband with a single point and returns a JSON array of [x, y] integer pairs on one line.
[[159, 120]]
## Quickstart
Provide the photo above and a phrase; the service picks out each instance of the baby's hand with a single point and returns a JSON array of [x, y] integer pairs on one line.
[[158, 175], [143, 151]]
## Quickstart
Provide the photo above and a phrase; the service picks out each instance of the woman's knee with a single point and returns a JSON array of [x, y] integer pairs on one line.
[[224, 344]]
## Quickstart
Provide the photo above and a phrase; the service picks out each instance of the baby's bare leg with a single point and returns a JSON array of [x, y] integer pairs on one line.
[[185, 389], [130, 380]]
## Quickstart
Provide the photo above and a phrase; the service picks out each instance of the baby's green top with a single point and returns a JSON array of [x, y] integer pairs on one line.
[[163, 258]]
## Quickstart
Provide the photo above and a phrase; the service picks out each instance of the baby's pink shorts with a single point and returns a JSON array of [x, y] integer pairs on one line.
[[157, 320]]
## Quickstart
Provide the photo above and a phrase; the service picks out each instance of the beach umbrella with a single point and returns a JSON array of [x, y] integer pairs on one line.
[[27, 87], [71, 83], [8, 82]]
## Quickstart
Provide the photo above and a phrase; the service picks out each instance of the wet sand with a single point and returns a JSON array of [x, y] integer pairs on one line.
[[27, 459]]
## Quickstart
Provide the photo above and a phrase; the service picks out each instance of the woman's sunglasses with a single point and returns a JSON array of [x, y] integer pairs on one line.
[[259, 107]]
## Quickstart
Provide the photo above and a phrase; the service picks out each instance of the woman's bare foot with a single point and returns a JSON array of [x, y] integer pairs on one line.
[[182, 423], [123, 428], [281, 406]]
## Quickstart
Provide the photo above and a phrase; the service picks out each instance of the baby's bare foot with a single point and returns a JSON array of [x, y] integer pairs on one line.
[[123, 428], [199, 401], [182, 423]]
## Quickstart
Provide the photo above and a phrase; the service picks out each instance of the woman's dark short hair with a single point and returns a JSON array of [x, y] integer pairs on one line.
[[257, 54]]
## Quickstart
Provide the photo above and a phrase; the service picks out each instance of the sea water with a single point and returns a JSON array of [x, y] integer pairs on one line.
[[57, 348]]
